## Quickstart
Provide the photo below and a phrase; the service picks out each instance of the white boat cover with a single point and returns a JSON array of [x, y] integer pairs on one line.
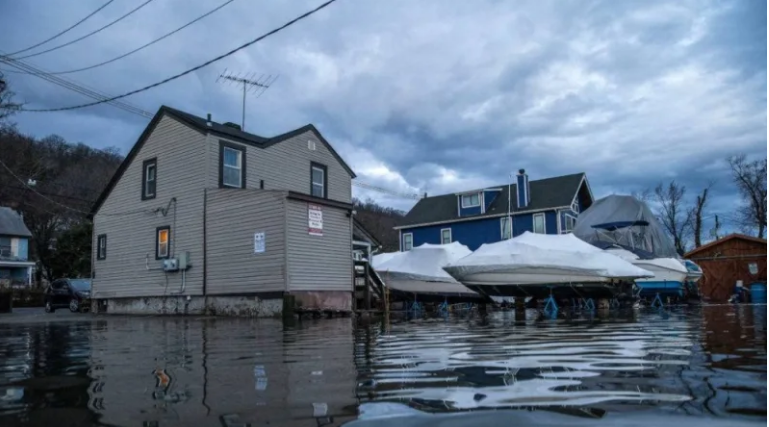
[[379, 259], [666, 263], [423, 262], [561, 253]]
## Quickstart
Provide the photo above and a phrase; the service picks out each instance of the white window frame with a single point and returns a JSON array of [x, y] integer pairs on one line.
[[467, 205], [411, 243], [566, 217], [534, 223], [322, 183], [101, 247], [239, 168], [502, 222], [450, 237], [154, 168], [575, 206]]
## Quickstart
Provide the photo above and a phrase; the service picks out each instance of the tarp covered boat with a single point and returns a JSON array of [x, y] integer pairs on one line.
[[539, 265], [419, 271]]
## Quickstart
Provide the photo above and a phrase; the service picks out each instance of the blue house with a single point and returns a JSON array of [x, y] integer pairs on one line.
[[15, 267], [547, 206]]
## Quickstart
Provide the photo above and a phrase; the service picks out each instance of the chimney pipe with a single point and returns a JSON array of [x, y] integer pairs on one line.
[[208, 120]]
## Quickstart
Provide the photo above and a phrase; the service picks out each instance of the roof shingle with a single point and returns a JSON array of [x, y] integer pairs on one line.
[[12, 224]]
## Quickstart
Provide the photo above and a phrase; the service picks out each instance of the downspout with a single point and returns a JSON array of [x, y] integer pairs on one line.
[[205, 251], [509, 201]]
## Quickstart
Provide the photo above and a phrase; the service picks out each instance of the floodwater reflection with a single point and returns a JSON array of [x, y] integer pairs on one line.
[[172, 371]]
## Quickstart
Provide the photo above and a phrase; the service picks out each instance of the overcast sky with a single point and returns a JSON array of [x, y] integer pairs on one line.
[[434, 96]]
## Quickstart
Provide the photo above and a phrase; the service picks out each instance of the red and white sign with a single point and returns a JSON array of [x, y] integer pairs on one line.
[[315, 220]]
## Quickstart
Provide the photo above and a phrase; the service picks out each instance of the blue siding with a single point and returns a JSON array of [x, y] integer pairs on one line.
[[475, 233], [23, 248], [488, 198], [470, 211]]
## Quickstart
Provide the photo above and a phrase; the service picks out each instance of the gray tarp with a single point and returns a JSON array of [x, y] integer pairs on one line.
[[617, 209]]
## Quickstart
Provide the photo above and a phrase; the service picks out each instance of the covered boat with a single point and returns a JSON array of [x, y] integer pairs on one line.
[[419, 272], [540, 265], [627, 227]]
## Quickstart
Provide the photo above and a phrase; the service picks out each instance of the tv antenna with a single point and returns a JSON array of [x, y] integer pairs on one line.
[[250, 84]]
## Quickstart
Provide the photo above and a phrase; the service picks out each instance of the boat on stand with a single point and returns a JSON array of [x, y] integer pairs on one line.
[[417, 276], [549, 267]]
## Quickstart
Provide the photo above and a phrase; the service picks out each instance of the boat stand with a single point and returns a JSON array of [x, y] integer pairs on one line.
[[550, 304], [657, 301], [589, 304], [444, 306], [416, 306]]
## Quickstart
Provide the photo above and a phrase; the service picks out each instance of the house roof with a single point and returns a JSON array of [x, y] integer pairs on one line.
[[724, 239], [359, 231], [546, 193], [201, 124], [12, 224]]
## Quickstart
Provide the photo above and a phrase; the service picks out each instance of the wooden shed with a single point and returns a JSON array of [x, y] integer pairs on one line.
[[727, 260]]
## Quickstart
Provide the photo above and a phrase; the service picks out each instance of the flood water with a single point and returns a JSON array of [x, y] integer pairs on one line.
[[68, 370]]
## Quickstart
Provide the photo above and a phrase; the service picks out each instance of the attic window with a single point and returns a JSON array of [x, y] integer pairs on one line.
[[471, 200], [149, 179], [311, 145]]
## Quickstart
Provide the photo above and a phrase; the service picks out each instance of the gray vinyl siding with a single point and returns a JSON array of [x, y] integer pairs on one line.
[[233, 216], [180, 153], [319, 263], [285, 166]]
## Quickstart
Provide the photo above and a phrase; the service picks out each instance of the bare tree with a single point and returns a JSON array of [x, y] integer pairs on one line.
[[750, 178], [643, 195], [7, 106], [672, 213], [696, 215]]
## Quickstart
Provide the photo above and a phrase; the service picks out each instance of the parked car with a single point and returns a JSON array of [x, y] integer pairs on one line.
[[74, 294]]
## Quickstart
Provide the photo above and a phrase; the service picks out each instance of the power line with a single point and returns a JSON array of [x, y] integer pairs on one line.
[[73, 86], [64, 31], [184, 73], [146, 45], [89, 34]]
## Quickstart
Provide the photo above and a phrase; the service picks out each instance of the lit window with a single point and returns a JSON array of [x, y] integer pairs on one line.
[[318, 178], [539, 223], [471, 200], [149, 179], [232, 172], [504, 228], [408, 241], [445, 236], [163, 242], [101, 247]]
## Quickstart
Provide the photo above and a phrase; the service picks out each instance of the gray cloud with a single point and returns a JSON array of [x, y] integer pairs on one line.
[[442, 96]]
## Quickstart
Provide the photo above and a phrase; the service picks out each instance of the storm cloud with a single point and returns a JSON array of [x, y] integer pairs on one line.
[[436, 96]]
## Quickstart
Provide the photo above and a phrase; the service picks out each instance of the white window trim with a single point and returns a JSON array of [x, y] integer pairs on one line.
[[450, 236], [147, 180], [466, 206], [565, 229], [502, 222], [534, 223], [239, 168], [411, 235], [322, 184]]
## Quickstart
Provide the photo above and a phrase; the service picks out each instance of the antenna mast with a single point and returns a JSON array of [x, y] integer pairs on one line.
[[249, 83]]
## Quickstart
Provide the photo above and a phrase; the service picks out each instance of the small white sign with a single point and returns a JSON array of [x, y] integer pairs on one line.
[[258, 243], [315, 220]]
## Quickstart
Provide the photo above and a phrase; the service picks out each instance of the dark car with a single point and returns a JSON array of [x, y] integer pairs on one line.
[[74, 294]]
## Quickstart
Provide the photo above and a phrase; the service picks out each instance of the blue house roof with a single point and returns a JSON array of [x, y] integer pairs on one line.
[[548, 193]]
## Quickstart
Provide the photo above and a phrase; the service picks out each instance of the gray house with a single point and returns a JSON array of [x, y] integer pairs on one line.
[[202, 217]]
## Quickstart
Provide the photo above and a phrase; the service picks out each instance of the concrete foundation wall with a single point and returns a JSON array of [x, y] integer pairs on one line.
[[242, 306]]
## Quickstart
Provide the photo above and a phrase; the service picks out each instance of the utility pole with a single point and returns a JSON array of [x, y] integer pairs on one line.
[[249, 83]]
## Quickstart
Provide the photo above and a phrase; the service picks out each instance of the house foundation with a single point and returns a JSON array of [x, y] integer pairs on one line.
[[233, 306]]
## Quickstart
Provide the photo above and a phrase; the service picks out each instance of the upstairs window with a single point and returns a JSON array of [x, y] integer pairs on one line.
[[471, 200], [445, 236], [162, 242], [318, 180], [149, 178], [575, 206], [539, 223], [6, 249], [408, 241], [232, 166], [101, 247]]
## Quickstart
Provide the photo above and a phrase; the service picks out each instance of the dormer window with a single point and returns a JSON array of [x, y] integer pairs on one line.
[[575, 206], [471, 200]]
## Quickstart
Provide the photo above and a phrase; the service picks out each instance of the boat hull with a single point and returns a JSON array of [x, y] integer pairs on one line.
[[668, 279]]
